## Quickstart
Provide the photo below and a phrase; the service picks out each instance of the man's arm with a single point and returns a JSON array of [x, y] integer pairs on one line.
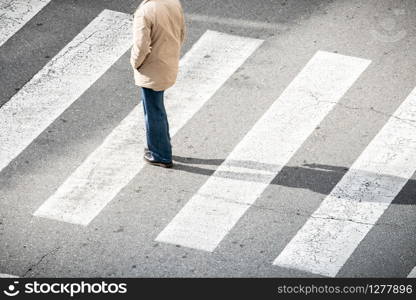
[[141, 38], [183, 29]]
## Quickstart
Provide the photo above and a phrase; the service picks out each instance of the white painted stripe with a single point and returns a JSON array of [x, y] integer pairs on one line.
[[203, 70], [412, 273], [69, 74], [267, 147], [14, 14], [7, 276], [347, 214]]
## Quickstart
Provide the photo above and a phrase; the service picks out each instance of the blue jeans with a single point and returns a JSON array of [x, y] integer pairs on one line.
[[157, 126]]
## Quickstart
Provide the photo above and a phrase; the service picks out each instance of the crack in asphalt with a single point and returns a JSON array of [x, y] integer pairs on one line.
[[350, 220], [303, 214], [33, 266], [412, 121]]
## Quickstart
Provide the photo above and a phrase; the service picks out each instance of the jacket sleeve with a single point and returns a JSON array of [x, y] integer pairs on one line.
[[141, 38]]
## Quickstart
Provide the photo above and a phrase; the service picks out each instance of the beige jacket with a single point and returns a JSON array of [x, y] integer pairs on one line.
[[158, 34]]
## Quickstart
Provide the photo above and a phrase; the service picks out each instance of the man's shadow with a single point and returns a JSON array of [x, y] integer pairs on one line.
[[318, 178]]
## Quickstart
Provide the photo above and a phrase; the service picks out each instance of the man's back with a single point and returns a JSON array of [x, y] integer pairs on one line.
[[159, 30]]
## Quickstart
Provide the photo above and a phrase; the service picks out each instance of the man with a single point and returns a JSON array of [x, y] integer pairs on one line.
[[158, 34]]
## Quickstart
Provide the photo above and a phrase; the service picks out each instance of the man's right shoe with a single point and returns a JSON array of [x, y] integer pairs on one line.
[[148, 158]]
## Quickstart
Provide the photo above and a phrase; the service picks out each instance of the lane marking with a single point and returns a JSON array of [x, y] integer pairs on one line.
[[203, 70], [62, 81], [412, 273], [7, 276], [214, 210], [14, 14], [348, 213]]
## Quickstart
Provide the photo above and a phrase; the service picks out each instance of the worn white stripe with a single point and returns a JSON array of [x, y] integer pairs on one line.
[[7, 276], [14, 14], [347, 214], [267, 147], [412, 273], [69, 74], [203, 70]]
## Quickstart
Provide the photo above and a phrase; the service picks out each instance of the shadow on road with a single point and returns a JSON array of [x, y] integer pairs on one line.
[[318, 178]]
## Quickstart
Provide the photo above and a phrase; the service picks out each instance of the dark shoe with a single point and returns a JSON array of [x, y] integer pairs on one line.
[[151, 161]]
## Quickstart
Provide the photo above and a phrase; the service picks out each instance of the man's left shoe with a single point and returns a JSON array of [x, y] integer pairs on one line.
[[151, 161]]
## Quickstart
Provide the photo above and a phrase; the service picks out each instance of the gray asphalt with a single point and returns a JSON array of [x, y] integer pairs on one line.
[[120, 240]]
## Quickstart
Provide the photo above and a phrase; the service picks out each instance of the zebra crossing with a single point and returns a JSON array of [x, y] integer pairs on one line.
[[332, 233], [220, 203], [15, 14], [54, 88], [7, 276], [359, 199], [204, 69]]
